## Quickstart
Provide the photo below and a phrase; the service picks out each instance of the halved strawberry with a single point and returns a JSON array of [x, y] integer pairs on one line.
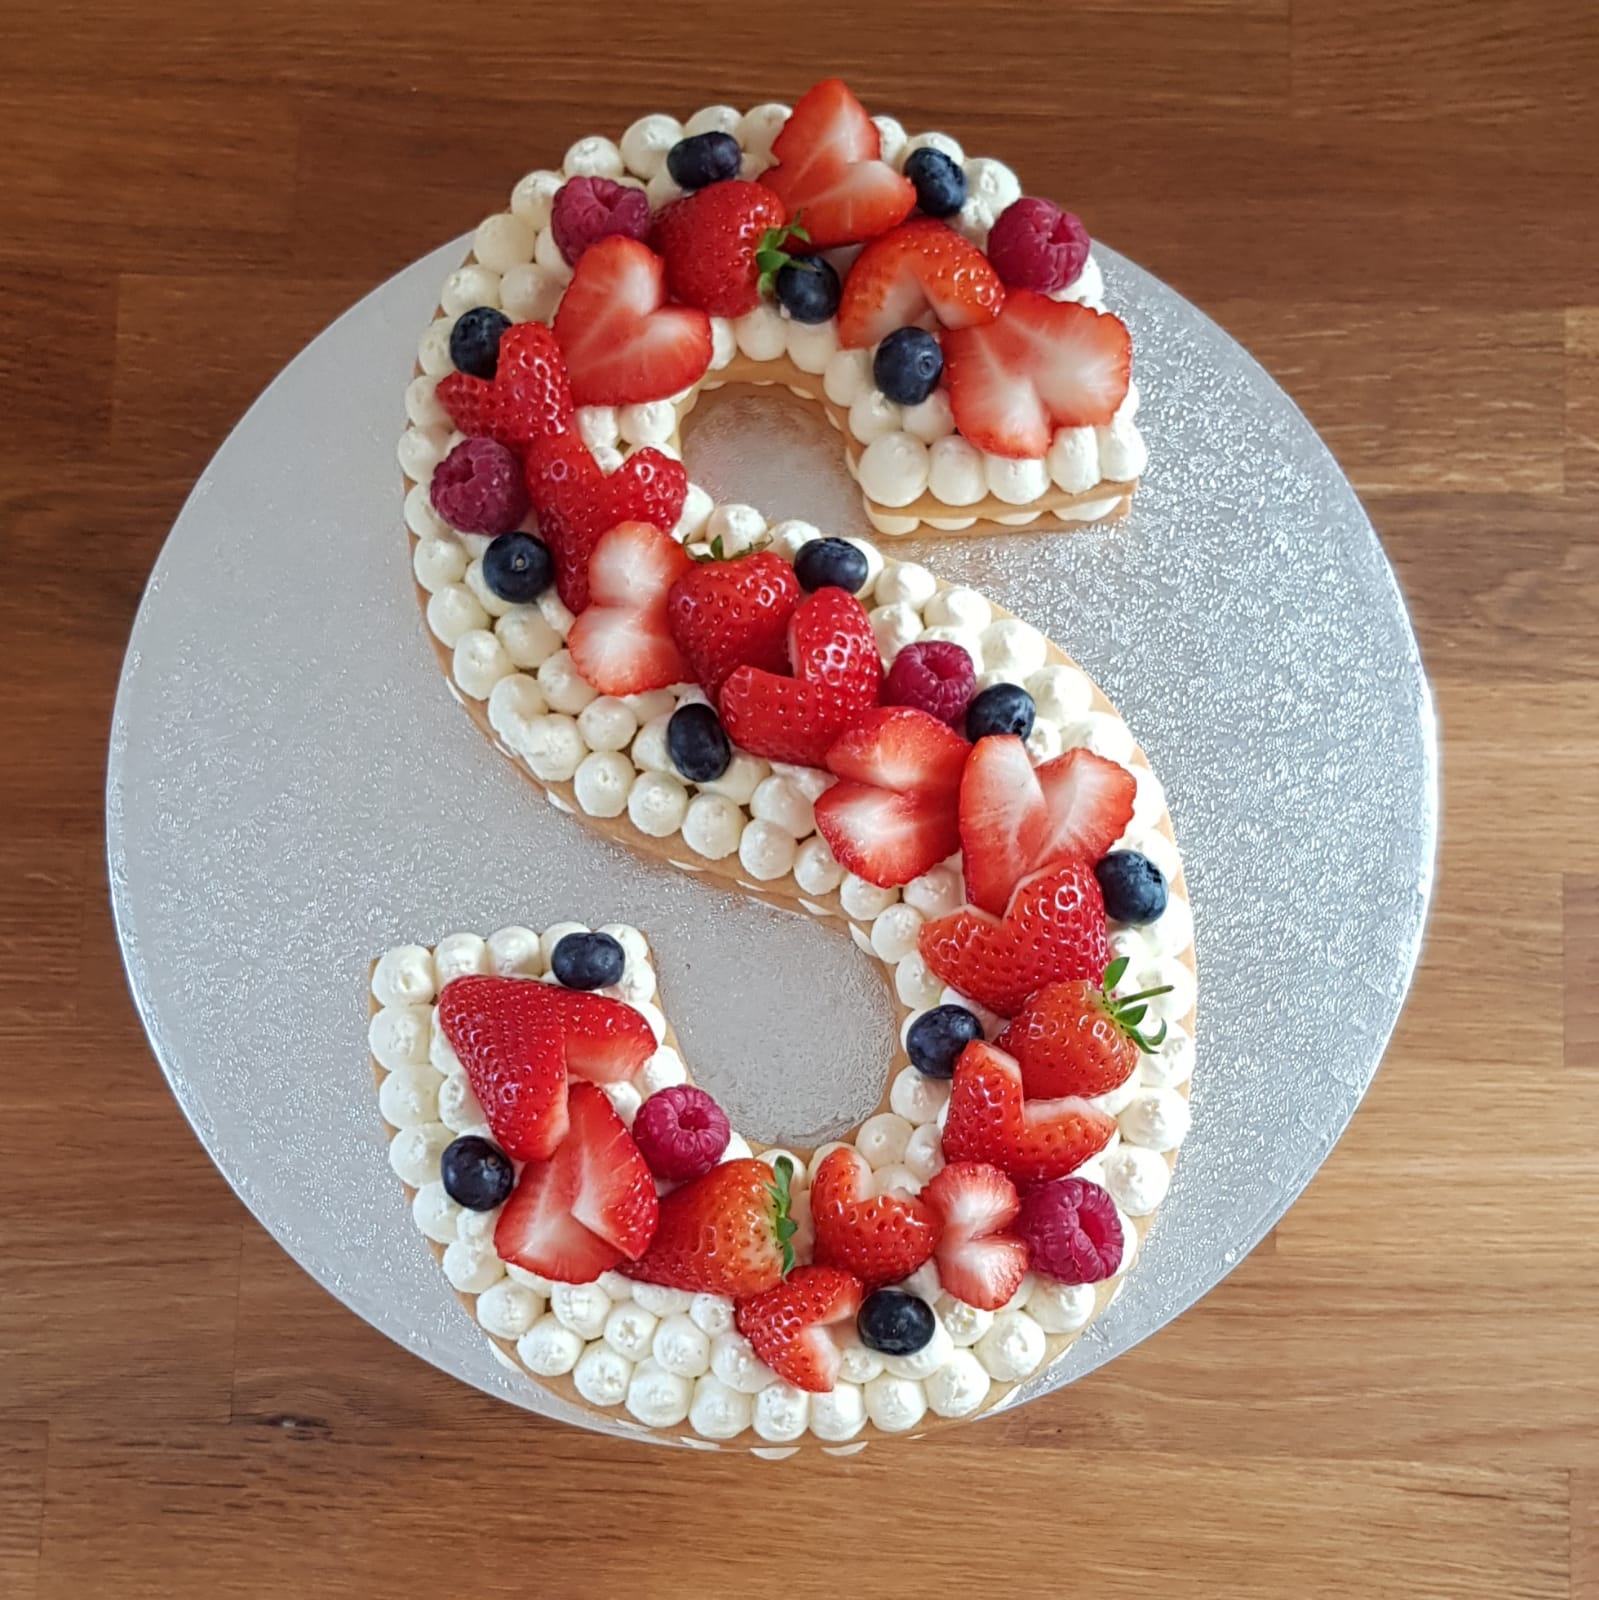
[[787, 1326], [589, 1207], [1090, 803], [903, 749], [527, 398], [1030, 1140], [828, 170], [621, 643], [880, 1238], [922, 265], [830, 640], [1041, 364], [1053, 929], [728, 612], [1002, 820], [979, 1261], [624, 344]]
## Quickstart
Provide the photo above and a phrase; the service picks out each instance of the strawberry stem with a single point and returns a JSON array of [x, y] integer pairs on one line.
[[783, 1225], [771, 256], [1129, 1011]]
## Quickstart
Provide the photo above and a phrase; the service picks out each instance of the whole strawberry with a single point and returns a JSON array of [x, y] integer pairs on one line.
[[732, 612], [723, 245]]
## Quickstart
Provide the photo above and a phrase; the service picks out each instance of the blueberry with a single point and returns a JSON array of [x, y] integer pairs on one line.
[[703, 159], [475, 340], [894, 1322], [808, 288], [698, 743], [518, 567], [1133, 886], [908, 365], [1003, 708], [587, 961], [935, 1039], [475, 1173], [940, 183], [830, 564]]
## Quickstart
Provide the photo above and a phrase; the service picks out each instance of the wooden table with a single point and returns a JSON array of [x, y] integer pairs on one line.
[[1395, 203]]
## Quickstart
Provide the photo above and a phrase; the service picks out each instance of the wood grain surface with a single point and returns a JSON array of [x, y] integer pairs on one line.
[[1395, 203]]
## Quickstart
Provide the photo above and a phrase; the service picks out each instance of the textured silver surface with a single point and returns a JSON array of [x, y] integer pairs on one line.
[[292, 790]]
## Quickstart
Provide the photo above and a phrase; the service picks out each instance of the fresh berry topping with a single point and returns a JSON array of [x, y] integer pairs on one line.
[[934, 1041], [587, 960], [528, 398], [697, 743], [1002, 820], [1000, 708], [1029, 1140], [576, 503], [830, 563], [621, 643], [1072, 1231], [1053, 929], [475, 1173], [940, 182], [807, 288], [828, 166], [920, 267], [1133, 886], [880, 1238], [1035, 245], [703, 159], [830, 640], [1090, 803], [588, 1208], [728, 1232], [980, 1260], [475, 340], [787, 1325], [1080, 1037], [681, 1132], [478, 488], [517, 567], [723, 246], [936, 677], [733, 613], [587, 210], [908, 365], [1040, 365], [623, 343], [895, 1323], [902, 749]]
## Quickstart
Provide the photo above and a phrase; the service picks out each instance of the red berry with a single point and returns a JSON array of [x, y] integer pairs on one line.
[[923, 265], [478, 488], [733, 613], [980, 1260], [719, 242], [1036, 245], [528, 397], [787, 1324], [936, 677], [620, 642], [1072, 1232], [681, 1131], [587, 210], [880, 1238]]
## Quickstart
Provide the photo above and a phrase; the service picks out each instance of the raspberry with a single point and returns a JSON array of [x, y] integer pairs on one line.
[[936, 677], [681, 1132], [1036, 245], [478, 488], [1072, 1231], [590, 209]]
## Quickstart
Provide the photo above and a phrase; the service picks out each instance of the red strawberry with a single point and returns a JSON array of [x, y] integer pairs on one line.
[[589, 1207], [979, 1260], [1030, 1140], [1041, 364], [1090, 803], [1002, 820], [830, 640], [623, 343], [727, 613], [828, 172], [1080, 1037], [903, 749], [527, 398], [576, 503], [1053, 929], [621, 643], [787, 1326], [726, 1233], [922, 265], [721, 244], [880, 1238]]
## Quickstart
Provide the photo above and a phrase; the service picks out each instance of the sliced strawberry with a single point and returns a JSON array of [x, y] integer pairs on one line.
[[979, 1260], [788, 1325], [537, 1230], [624, 344], [903, 749], [1030, 1140], [828, 168], [880, 1238], [527, 398], [919, 267], [1003, 820], [1090, 803], [621, 643], [830, 640], [1041, 364], [727, 613]]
